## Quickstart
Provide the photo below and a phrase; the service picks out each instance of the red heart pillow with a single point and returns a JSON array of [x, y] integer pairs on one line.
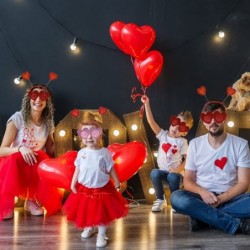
[[128, 157], [58, 171]]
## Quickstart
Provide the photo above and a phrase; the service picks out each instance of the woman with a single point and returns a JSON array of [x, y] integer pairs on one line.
[[28, 140]]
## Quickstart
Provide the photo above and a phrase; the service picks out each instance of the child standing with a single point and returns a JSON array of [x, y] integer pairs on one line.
[[94, 200], [171, 153]]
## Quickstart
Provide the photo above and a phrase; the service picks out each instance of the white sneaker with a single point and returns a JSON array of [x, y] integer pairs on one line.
[[101, 240], [33, 208], [157, 205], [87, 232]]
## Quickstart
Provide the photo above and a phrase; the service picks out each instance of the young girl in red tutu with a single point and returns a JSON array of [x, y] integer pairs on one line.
[[28, 135], [94, 200]]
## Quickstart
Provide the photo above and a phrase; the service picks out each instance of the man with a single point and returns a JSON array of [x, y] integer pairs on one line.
[[217, 174]]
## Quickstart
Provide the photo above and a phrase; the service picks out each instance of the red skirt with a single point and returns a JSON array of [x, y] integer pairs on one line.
[[19, 179], [95, 206]]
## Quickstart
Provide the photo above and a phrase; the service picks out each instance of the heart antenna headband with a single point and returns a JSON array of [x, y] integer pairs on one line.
[[52, 76], [202, 90]]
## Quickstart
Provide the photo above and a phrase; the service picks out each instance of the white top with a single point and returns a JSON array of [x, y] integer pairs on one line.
[[217, 169], [30, 135], [170, 150], [95, 166]]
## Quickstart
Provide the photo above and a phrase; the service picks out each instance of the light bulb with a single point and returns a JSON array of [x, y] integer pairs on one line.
[[18, 80], [230, 124], [151, 191], [62, 133], [116, 132], [134, 127], [221, 34], [73, 46]]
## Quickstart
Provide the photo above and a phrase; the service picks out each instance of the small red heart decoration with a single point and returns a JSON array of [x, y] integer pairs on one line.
[[230, 91], [75, 112], [221, 163], [166, 147], [102, 110], [58, 171], [128, 158], [201, 90]]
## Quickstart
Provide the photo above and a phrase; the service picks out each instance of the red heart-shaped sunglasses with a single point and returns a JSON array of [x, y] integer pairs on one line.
[[219, 117], [174, 121], [94, 132]]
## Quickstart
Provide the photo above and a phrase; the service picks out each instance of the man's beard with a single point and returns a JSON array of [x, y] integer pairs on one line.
[[217, 133]]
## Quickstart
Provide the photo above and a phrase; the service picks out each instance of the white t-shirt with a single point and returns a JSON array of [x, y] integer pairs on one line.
[[217, 169], [30, 135], [95, 166], [170, 150]]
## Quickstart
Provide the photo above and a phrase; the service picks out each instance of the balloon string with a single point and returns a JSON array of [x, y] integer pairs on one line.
[[135, 94], [130, 195]]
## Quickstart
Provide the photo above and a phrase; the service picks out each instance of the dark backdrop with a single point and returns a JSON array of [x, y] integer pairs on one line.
[[35, 36]]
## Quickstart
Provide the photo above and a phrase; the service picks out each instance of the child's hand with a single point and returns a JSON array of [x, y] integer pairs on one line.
[[144, 99]]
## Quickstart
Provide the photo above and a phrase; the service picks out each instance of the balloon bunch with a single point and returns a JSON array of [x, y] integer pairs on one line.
[[136, 42]]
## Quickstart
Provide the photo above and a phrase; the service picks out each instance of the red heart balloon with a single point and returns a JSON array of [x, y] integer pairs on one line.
[[128, 157], [137, 40], [115, 33], [148, 67], [58, 171]]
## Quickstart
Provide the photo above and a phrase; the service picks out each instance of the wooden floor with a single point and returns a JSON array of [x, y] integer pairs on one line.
[[141, 230]]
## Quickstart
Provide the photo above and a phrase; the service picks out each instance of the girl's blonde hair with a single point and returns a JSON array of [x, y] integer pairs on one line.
[[92, 120]]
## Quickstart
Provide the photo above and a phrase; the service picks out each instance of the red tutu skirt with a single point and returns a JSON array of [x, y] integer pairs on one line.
[[95, 206], [19, 179]]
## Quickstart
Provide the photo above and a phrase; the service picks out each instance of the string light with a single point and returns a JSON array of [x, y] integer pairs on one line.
[[73, 46], [221, 34], [18, 80]]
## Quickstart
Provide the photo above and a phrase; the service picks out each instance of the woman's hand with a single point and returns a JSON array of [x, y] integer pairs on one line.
[[73, 188], [117, 186], [28, 154]]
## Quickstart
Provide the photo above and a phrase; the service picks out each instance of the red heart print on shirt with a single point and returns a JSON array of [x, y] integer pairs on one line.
[[174, 151], [221, 163], [166, 147]]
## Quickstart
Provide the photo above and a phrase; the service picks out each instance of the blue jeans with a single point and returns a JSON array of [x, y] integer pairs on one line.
[[226, 217], [172, 179]]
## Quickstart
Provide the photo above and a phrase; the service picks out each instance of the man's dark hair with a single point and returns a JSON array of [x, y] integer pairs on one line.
[[213, 105]]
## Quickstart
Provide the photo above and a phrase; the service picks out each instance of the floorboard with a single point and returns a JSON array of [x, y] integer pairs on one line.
[[141, 230]]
